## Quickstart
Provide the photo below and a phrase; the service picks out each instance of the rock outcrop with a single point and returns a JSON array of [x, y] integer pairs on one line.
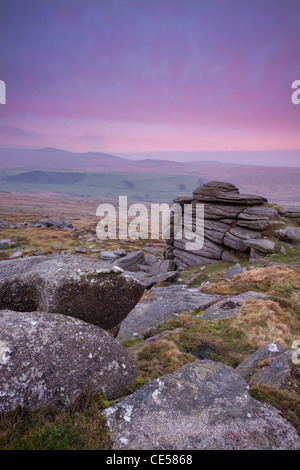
[[234, 225], [73, 285], [204, 405], [49, 359]]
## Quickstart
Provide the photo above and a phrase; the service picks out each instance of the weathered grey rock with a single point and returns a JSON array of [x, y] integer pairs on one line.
[[230, 306], [108, 256], [258, 213], [250, 365], [150, 259], [222, 194], [120, 252], [289, 234], [81, 250], [290, 212], [165, 303], [143, 267], [234, 271], [57, 223], [235, 238], [276, 373], [262, 245], [49, 359], [150, 281], [183, 200], [7, 243], [204, 405], [161, 267], [152, 250], [229, 256], [131, 261], [259, 225], [73, 285], [17, 254]]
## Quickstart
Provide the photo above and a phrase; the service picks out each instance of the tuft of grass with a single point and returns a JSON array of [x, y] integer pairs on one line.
[[79, 427], [276, 281], [265, 321]]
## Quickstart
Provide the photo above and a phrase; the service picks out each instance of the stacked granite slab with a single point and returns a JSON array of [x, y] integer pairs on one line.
[[234, 226]]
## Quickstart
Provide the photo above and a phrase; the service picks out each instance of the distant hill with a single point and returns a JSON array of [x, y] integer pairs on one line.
[[279, 184]]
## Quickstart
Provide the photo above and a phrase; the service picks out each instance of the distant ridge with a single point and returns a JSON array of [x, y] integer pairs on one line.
[[275, 182]]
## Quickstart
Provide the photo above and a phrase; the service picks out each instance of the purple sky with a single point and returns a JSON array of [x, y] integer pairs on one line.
[[150, 75]]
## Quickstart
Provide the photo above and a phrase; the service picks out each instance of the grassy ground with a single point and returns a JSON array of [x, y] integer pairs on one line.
[[79, 427]]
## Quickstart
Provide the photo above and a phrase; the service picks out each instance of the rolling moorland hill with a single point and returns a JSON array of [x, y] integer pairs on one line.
[[278, 184]]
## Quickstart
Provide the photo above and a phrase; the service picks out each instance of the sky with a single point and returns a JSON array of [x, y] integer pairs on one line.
[[134, 76]]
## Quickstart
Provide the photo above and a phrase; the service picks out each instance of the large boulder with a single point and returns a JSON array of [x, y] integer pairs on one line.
[[250, 365], [164, 303], [204, 405], [74, 285], [49, 359]]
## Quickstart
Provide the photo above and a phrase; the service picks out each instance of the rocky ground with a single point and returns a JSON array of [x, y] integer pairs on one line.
[[189, 357]]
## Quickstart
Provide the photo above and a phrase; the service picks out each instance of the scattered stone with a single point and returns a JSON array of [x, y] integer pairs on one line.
[[56, 223], [250, 365], [165, 303], [204, 405], [48, 360], [152, 250], [108, 256], [81, 250], [7, 243], [234, 271]]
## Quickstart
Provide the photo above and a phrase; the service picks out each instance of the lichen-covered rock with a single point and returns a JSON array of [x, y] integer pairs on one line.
[[204, 405], [230, 306], [164, 303], [49, 359], [74, 285], [250, 365], [276, 373]]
